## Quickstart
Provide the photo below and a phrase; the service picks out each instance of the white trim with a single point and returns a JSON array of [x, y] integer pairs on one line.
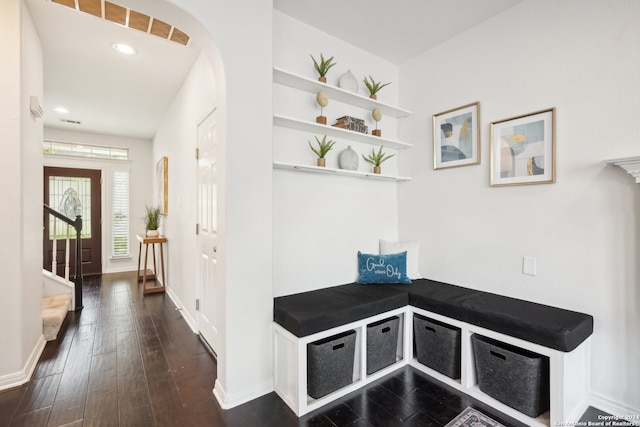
[[620, 410], [228, 401], [629, 164], [124, 269], [23, 376], [185, 313]]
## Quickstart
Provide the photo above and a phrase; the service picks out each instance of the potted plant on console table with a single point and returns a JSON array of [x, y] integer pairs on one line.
[[152, 220]]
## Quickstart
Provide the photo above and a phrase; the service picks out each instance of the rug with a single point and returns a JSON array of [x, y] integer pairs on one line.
[[472, 418]]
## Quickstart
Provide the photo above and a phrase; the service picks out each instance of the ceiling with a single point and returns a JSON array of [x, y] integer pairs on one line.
[[393, 30], [109, 93]]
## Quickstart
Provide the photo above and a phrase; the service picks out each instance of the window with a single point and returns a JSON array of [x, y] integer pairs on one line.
[[62, 189], [59, 148], [120, 214]]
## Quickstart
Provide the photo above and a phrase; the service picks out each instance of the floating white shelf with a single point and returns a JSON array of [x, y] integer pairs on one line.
[[313, 86], [630, 164], [337, 132], [355, 174]]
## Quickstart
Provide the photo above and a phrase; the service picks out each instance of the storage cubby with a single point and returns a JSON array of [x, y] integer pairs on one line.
[[437, 345], [567, 371], [330, 364], [517, 377], [292, 357]]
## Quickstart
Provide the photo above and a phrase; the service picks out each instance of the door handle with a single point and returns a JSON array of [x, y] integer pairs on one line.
[[215, 249]]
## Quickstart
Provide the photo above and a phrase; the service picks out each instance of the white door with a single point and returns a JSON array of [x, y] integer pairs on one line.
[[208, 230]]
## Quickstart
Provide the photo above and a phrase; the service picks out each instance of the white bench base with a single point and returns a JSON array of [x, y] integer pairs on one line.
[[569, 372]]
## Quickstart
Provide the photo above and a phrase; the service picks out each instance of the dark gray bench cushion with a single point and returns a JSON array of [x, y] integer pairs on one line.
[[548, 326], [310, 312]]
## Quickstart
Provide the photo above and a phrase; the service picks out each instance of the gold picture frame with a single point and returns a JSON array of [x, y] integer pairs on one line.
[[456, 137], [162, 169], [523, 149]]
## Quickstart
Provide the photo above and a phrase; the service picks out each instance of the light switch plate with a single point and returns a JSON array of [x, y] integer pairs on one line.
[[529, 265]]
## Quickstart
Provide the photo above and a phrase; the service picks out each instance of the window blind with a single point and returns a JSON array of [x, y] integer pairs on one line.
[[120, 213]]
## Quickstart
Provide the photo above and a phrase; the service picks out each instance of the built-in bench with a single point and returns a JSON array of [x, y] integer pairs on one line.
[[562, 335]]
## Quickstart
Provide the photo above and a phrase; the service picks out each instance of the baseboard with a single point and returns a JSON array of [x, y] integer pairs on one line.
[[185, 314], [18, 378], [228, 401], [614, 408]]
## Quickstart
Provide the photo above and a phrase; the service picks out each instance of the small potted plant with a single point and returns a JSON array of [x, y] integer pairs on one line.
[[376, 159], [374, 86], [323, 67], [152, 220], [323, 148]]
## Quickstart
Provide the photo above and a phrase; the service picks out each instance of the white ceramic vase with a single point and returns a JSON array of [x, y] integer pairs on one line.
[[348, 159], [348, 82]]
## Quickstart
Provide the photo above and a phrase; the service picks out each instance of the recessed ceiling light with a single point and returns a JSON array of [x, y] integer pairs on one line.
[[61, 110], [125, 49]]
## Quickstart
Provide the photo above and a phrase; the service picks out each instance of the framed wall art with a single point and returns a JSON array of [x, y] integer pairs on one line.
[[523, 149], [162, 180], [456, 137]]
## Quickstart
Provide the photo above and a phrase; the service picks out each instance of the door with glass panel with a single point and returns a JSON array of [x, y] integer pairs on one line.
[[71, 191]]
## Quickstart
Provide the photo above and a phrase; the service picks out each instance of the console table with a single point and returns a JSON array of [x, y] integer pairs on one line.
[[146, 241]]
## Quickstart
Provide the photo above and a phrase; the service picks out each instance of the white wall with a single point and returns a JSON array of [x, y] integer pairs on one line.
[[321, 221], [238, 47], [20, 221], [141, 167], [581, 57], [177, 140], [31, 188]]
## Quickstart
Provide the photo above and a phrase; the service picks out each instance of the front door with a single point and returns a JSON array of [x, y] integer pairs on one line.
[[60, 184], [208, 230]]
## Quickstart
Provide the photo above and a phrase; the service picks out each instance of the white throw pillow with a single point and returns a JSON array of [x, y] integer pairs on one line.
[[412, 248]]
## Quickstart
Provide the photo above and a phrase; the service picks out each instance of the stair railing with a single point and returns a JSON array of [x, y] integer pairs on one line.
[[77, 225]]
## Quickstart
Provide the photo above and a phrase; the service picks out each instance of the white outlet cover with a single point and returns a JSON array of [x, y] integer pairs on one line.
[[529, 265]]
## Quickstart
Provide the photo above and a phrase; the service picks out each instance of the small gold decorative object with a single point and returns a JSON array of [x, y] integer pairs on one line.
[[376, 114], [323, 100]]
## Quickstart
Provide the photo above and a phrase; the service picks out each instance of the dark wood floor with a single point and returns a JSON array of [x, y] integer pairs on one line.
[[129, 360]]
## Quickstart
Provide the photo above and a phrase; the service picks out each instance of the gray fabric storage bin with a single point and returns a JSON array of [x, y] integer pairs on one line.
[[382, 344], [437, 345], [516, 377], [330, 364]]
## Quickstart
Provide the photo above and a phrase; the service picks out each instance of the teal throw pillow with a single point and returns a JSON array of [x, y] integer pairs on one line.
[[390, 268]]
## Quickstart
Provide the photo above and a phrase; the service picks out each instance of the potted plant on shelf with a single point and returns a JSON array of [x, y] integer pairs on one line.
[[323, 148], [152, 220], [376, 159], [374, 86], [323, 67]]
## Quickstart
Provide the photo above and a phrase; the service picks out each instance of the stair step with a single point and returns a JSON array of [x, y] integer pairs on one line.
[[54, 310]]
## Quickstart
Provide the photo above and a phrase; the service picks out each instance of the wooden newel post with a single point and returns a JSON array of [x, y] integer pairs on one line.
[[78, 279]]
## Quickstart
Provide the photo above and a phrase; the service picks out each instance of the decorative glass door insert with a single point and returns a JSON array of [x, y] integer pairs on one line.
[[70, 196]]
